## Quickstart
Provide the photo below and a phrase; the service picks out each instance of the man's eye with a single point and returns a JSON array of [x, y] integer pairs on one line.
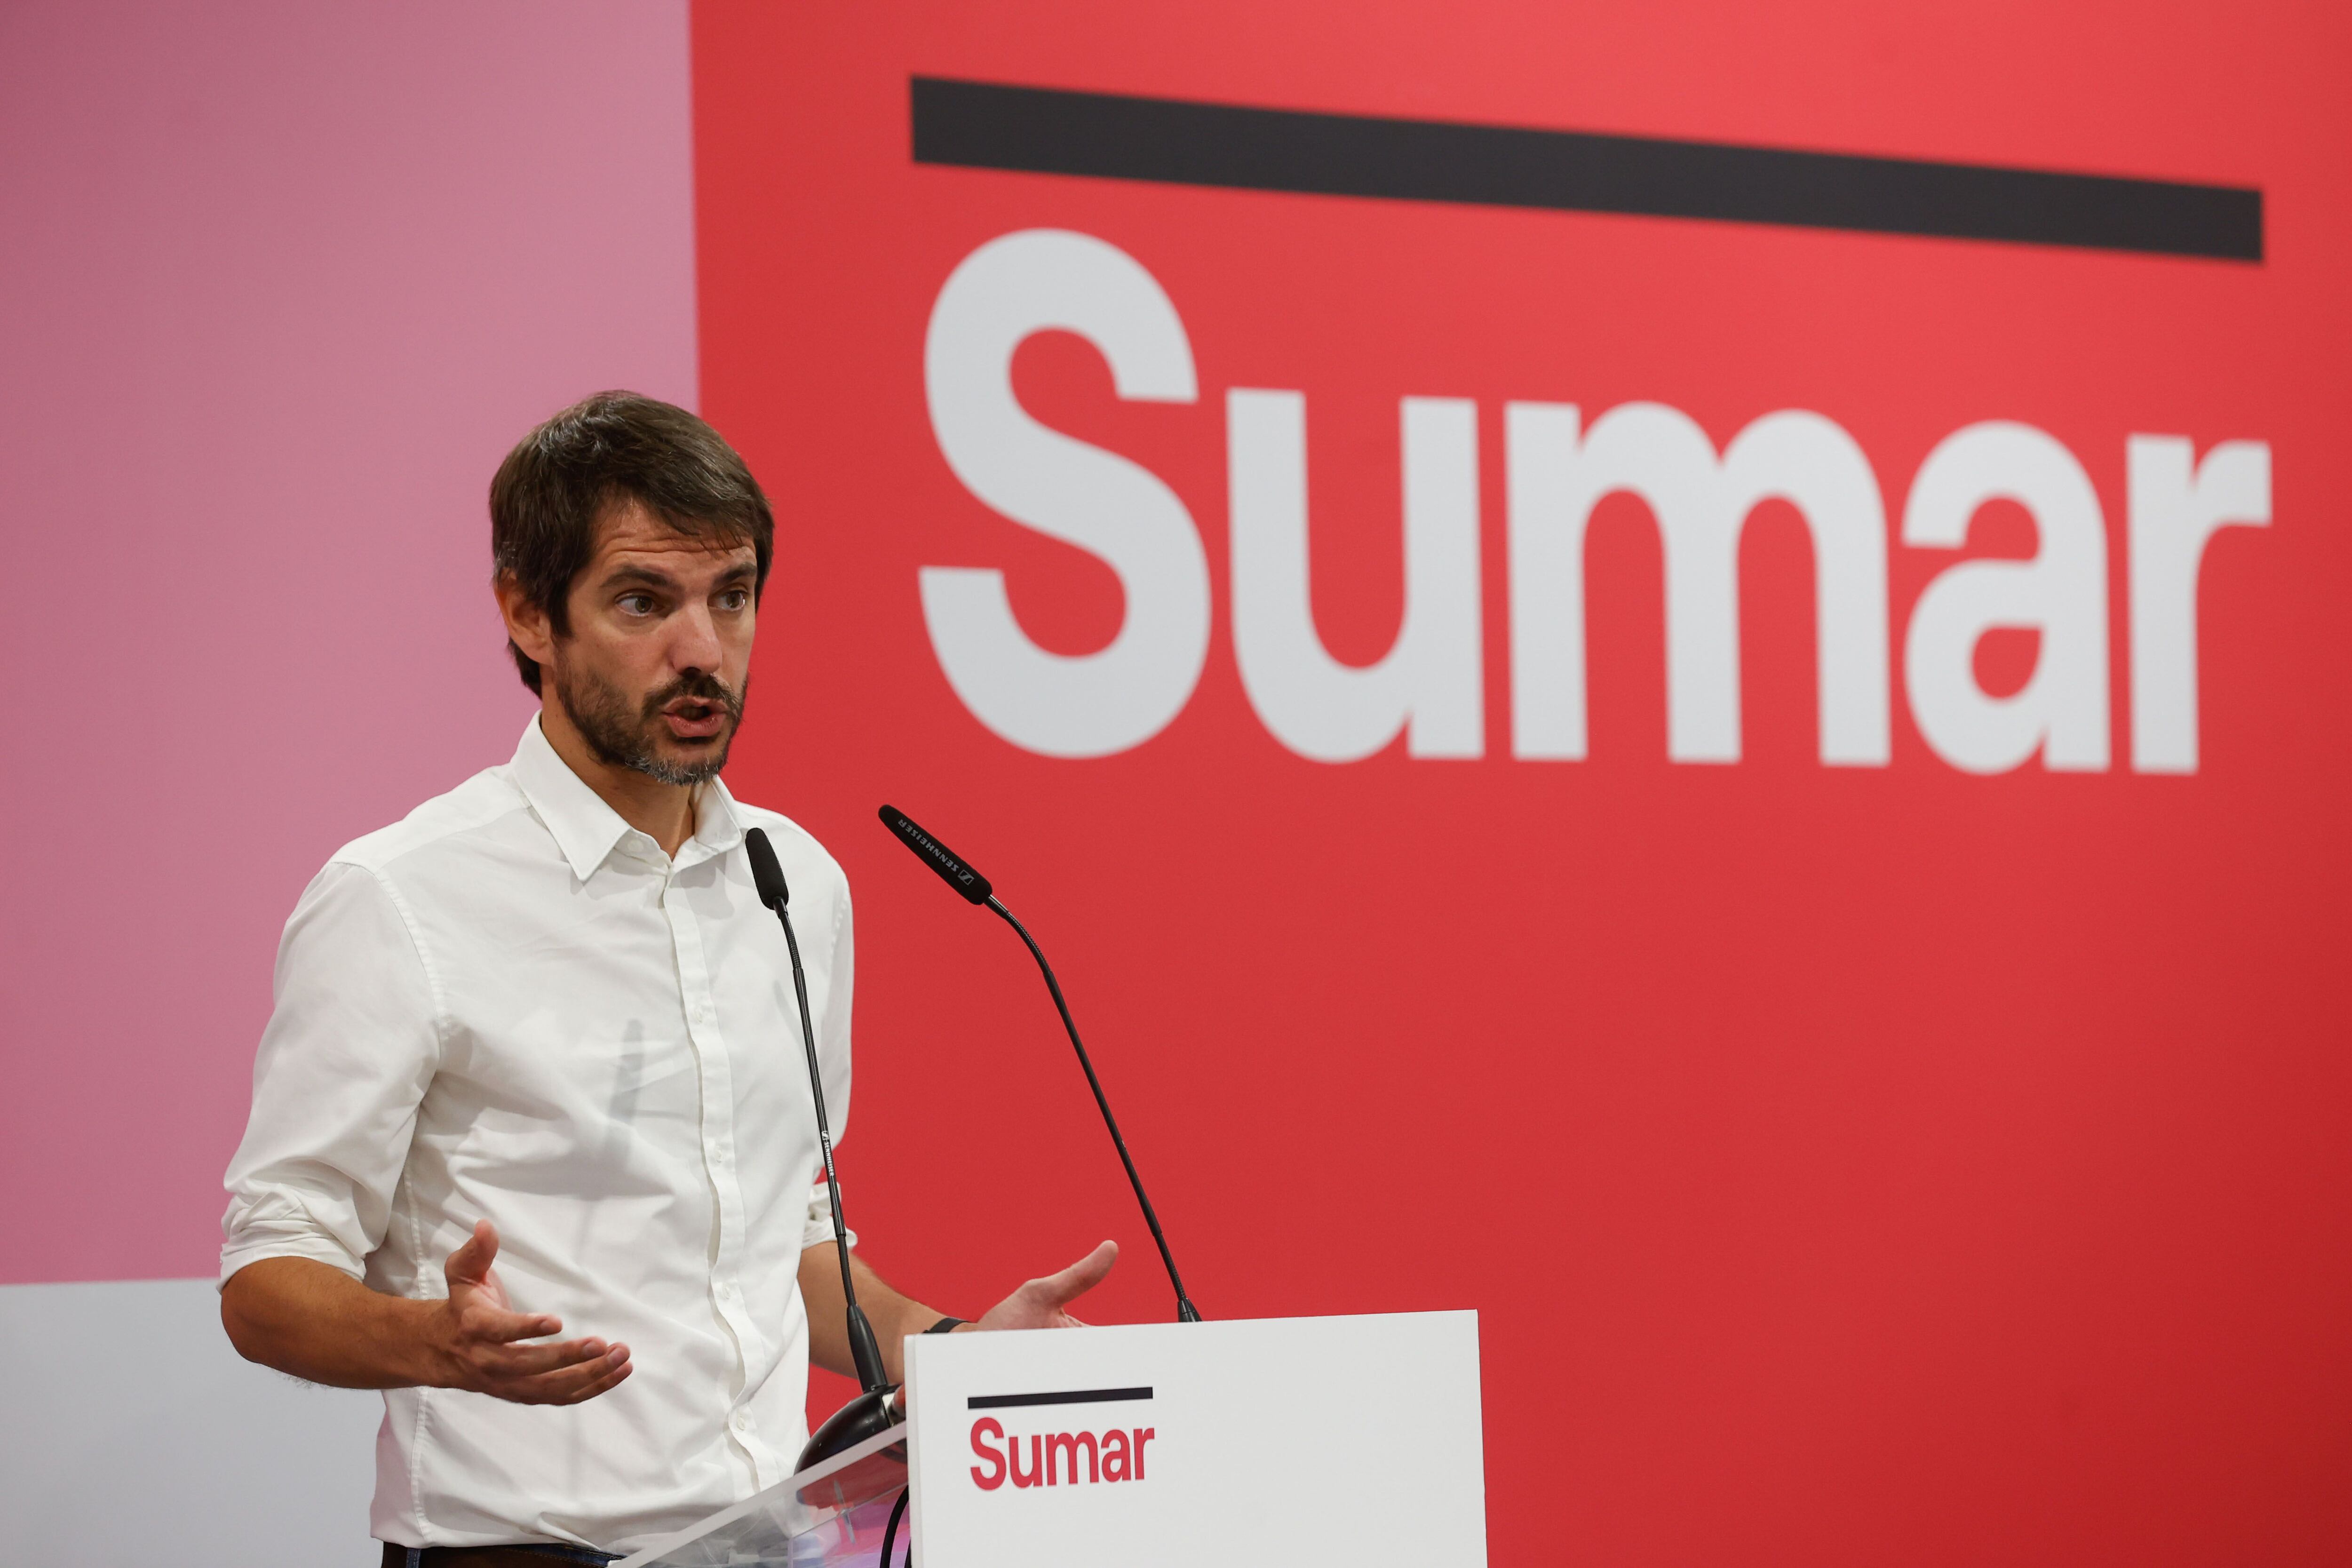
[[734, 599], [636, 604]]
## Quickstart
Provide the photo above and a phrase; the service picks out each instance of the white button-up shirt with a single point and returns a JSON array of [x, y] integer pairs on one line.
[[514, 1006]]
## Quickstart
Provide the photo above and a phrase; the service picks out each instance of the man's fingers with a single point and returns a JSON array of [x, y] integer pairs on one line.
[[471, 1263], [489, 1339], [572, 1385], [610, 1380], [500, 1326], [531, 1361], [1038, 1304], [1079, 1278]]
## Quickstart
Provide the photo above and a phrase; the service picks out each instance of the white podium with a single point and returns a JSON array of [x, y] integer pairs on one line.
[[1257, 1444]]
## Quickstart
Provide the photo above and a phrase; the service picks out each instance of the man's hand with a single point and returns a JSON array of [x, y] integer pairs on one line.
[[1037, 1305], [477, 1341], [1041, 1303]]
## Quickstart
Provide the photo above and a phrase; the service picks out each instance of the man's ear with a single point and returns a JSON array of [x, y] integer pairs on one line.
[[527, 623]]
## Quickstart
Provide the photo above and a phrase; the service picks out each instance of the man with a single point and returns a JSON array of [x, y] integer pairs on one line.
[[535, 1067]]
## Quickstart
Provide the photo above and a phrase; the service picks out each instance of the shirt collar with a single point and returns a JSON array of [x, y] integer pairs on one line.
[[717, 826], [586, 830]]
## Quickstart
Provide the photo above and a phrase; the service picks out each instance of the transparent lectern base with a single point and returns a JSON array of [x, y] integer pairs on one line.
[[832, 1515]]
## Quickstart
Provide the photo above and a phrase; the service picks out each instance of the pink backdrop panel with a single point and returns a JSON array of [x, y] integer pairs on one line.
[[282, 283]]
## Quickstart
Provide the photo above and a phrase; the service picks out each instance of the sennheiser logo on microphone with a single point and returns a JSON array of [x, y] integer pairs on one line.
[[969, 884], [929, 845]]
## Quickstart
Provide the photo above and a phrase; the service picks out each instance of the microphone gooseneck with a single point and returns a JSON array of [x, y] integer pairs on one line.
[[871, 1411], [974, 889]]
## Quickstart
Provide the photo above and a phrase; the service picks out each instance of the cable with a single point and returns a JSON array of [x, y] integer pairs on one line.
[[890, 1530]]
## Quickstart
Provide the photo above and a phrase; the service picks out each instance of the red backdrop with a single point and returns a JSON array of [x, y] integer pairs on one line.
[[1849, 1165]]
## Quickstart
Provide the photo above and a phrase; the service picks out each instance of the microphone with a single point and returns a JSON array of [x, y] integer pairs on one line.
[[974, 889], [871, 1411]]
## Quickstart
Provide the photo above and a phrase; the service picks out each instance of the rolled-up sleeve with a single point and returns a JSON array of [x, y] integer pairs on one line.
[[818, 1230], [353, 1040]]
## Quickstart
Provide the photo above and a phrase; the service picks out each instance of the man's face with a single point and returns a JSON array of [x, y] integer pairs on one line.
[[653, 670]]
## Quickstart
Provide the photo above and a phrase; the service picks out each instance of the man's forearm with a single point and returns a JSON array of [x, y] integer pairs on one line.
[[894, 1316], [318, 1324]]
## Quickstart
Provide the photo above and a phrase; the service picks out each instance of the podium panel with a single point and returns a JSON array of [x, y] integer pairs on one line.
[[1255, 1444], [1258, 1444]]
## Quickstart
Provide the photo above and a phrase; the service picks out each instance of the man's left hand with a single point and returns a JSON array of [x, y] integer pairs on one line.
[[1044, 1303]]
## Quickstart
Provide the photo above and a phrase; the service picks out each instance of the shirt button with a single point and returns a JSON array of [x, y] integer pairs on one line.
[[741, 1421]]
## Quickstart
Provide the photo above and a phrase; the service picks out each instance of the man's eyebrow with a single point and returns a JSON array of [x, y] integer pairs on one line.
[[645, 574]]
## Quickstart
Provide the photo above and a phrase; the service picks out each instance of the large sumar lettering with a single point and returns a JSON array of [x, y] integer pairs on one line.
[[1429, 685]]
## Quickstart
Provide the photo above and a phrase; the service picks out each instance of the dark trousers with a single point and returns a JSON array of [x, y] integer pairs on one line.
[[490, 1556]]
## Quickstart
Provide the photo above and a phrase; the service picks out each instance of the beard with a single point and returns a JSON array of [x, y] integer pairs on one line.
[[628, 737]]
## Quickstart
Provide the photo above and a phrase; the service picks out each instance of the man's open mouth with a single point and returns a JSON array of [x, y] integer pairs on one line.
[[695, 718]]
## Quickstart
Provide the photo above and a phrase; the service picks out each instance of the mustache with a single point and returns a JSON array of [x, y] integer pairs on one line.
[[698, 685]]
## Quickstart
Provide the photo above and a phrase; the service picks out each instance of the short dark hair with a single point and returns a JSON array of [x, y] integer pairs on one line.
[[604, 451]]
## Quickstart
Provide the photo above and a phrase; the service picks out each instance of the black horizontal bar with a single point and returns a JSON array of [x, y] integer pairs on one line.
[[987, 125], [1067, 1396]]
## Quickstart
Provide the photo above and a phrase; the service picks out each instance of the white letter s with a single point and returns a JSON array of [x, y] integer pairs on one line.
[[1093, 704]]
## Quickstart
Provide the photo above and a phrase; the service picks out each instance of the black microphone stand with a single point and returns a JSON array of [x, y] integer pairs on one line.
[[974, 888], [1185, 1311], [873, 1410]]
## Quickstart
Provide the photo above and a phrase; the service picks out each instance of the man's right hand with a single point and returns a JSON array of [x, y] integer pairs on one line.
[[478, 1339], [316, 1322]]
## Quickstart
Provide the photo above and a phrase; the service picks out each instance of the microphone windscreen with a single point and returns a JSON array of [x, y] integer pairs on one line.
[[938, 856], [766, 875]]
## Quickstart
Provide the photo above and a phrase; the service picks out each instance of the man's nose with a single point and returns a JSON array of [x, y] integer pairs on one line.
[[694, 640]]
